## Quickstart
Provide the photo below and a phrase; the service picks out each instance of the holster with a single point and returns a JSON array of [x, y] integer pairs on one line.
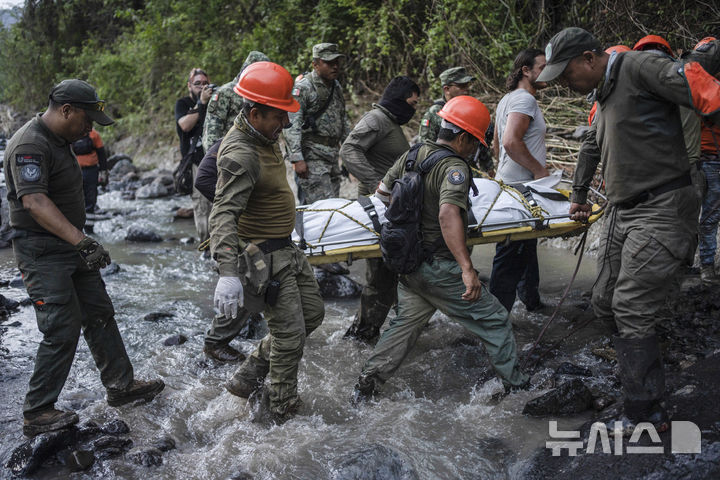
[[255, 276]]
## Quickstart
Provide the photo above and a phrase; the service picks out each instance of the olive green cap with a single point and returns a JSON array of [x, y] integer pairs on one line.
[[563, 47], [81, 94], [455, 75], [326, 51]]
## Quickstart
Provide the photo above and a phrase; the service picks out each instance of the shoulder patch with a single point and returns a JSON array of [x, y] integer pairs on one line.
[[426, 122], [30, 172], [215, 97], [28, 159], [295, 92], [456, 177]]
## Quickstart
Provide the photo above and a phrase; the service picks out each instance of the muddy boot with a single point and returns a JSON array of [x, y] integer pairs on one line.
[[643, 381], [137, 390], [365, 389], [223, 353], [708, 275], [47, 421], [363, 331], [248, 378], [262, 413]]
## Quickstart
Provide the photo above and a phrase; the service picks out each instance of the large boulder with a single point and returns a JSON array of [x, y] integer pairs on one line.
[[138, 234], [570, 397], [156, 189], [122, 168]]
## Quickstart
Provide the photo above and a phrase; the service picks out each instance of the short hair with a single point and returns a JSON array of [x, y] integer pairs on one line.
[[196, 71], [249, 105], [448, 135], [53, 104], [526, 58]]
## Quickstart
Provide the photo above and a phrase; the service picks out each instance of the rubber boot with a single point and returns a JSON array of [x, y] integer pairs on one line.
[[643, 381], [365, 389]]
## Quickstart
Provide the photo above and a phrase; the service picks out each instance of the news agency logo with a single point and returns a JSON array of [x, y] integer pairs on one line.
[[684, 438]]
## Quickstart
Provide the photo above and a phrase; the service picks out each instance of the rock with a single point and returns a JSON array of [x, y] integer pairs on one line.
[[686, 390], [606, 353], [187, 241], [26, 302], [17, 282], [602, 402], [111, 446], [115, 427], [127, 195], [13, 324], [567, 368], [28, 457], [9, 304], [543, 379], [114, 159], [156, 316], [77, 460], [570, 397], [373, 462], [121, 168], [154, 190], [240, 475], [580, 132], [137, 234], [178, 339], [111, 269], [184, 213], [129, 178], [337, 286], [165, 178], [146, 456], [164, 444]]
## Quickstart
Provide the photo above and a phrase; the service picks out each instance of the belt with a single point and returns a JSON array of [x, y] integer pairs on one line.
[[269, 246], [680, 182], [17, 233], [327, 141]]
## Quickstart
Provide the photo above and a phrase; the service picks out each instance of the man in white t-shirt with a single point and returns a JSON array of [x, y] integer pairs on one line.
[[519, 145]]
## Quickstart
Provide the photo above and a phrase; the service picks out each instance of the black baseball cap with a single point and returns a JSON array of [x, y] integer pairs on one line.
[[81, 94], [563, 47]]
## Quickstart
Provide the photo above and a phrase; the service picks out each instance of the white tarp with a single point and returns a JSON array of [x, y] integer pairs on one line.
[[339, 231]]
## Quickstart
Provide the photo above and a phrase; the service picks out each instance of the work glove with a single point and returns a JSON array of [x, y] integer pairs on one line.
[[103, 178], [228, 296], [95, 256]]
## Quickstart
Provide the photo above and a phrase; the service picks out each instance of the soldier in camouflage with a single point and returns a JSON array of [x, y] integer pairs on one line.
[[319, 127], [224, 105], [455, 81]]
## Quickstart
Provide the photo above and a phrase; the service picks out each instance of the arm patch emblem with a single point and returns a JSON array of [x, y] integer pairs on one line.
[[456, 177], [30, 173]]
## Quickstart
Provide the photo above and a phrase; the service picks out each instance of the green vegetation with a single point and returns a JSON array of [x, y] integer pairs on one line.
[[138, 52]]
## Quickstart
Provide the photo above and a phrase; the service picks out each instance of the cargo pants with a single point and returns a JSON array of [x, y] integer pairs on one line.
[[438, 286], [298, 312], [68, 297], [641, 252], [323, 179], [201, 210], [378, 296]]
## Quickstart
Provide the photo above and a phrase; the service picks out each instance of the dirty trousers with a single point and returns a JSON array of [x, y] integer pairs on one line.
[[439, 286], [378, 295], [299, 310], [641, 252], [68, 297]]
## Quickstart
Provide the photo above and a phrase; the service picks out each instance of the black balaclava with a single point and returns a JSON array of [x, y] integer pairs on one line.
[[395, 95]]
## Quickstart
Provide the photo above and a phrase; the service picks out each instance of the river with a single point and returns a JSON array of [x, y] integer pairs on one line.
[[436, 412]]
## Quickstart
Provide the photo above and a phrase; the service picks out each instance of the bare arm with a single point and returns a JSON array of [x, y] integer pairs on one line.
[[517, 125], [453, 232], [496, 144], [47, 215]]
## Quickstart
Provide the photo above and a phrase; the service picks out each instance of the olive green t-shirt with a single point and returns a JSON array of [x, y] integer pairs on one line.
[[38, 161], [447, 182]]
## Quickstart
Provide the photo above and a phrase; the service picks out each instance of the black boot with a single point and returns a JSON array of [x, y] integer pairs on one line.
[[643, 380], [365, 389]]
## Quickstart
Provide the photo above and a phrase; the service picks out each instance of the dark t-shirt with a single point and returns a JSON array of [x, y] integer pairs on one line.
[[38, 161], [182, 106], [206, 176]]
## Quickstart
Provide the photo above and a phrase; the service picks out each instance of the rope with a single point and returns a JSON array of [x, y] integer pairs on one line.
[[536, 211], [333, 212], [581, 248]]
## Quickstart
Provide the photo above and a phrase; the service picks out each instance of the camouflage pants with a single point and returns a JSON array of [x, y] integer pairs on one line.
[[68, 298], [641, 252], [299, 310], [378, 296], [439, 286], [201, 211], [322, 182]]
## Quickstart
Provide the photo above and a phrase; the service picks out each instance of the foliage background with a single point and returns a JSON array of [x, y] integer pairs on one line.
[[138, 52]]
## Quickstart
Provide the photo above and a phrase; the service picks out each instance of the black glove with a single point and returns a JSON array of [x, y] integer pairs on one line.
[[95, 256]]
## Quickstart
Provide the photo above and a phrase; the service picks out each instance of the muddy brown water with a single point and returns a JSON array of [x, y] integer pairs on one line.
[[436, 411]]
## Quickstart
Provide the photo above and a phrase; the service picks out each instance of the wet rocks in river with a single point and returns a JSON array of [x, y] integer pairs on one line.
[[77, 460], [8, 306], [155, 190], [374, 462], [178, 339], [111, 269], [567, 368], [336, 286], [145, 456], [115, 427], [156, 316], [164, 443], [570, 397], [184, 213], [114, 159], [187, 241], [121, 168], [29, 456], [138, 234], [110, 446]]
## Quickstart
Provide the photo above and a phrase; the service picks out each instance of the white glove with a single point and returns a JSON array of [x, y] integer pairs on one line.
[[228, 296]]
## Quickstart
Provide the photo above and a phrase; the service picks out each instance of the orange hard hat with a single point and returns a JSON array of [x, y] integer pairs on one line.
[[704, 41], [468, 113], [617, 48], [269, 84], [654, 41]]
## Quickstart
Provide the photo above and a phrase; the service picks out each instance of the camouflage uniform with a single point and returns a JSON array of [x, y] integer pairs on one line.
[[251, 185], [319, 148], [430, 123], [224, 105]]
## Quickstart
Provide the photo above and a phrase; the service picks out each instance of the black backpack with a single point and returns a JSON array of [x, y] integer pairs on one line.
[[83, 146], [401, 239]]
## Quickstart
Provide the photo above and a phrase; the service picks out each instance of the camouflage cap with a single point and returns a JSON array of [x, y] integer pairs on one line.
[[81, 94], [253, 56], [563, 47], [455, 75], [326, 51]]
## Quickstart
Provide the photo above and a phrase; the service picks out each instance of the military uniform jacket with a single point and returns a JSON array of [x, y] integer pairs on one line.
[[223, 107], [638, 132], [430, 123], [38, 161], [253, 200], [372, 148], [447, 182], [332, 125]]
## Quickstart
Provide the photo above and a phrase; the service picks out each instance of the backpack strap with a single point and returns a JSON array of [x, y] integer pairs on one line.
[[433, 159], [369, 208], [411, 158]]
